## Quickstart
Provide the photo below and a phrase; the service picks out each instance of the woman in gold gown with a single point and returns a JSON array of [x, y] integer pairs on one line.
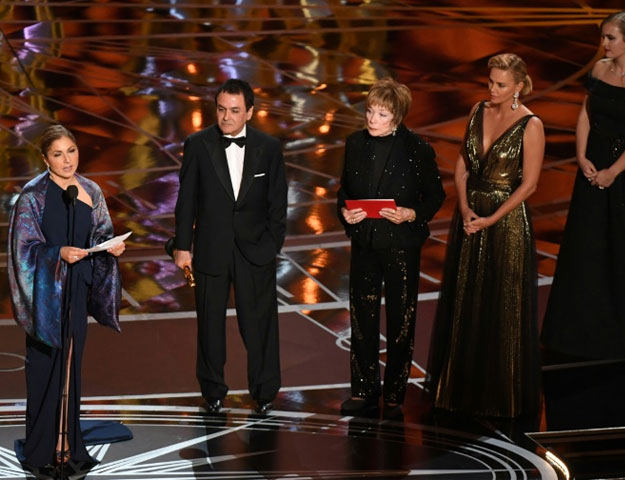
[[484, 357]]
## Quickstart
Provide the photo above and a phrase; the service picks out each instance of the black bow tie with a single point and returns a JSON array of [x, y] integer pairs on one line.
[[227, 141]]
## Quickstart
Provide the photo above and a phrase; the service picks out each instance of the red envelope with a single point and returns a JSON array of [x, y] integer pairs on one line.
[[371, 205]]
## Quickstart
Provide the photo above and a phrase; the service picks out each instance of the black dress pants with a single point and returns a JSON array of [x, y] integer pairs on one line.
[[257, 315], [398, 268]]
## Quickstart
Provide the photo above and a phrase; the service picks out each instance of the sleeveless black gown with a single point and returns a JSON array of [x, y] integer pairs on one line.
[[585, 314], [44, 364]]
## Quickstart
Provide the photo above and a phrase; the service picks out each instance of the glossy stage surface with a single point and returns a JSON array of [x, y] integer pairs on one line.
[[132, 79]]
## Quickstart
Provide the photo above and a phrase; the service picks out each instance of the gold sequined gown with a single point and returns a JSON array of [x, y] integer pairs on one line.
[[484, 357]]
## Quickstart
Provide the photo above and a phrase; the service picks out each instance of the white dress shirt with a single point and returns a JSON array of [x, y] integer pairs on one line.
[[235, 156]]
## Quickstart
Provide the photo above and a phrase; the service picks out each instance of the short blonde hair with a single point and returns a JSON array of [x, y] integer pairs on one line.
[[393, 96], [514, 64]]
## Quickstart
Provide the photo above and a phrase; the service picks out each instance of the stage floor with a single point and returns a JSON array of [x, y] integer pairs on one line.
[[133, 79], [181, 441]]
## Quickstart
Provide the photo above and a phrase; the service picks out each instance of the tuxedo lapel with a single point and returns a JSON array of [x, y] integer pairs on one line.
[[253, 151], [217, 154]]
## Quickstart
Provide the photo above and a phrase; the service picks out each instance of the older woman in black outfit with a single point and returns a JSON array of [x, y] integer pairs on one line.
[[385, 161]]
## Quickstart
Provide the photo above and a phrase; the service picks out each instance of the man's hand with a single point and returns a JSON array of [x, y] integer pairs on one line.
[[182, 258]]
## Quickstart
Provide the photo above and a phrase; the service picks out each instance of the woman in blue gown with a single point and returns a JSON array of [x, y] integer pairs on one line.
[[54, 285]]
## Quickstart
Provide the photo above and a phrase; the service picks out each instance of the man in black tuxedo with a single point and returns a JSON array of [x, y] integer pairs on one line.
[[232, 208]]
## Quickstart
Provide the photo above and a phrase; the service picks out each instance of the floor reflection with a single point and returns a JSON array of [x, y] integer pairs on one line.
[[584, 394]]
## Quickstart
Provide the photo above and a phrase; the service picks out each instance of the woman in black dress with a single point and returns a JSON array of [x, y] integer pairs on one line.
[[385, 161], [51, 277], [585, 314]]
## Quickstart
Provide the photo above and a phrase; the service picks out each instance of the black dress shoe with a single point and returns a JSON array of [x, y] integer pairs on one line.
[[213, 405], [392, 411], [264, 407], [360, 407]]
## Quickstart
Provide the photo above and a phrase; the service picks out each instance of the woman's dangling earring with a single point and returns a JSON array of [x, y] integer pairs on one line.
[[515, 104]]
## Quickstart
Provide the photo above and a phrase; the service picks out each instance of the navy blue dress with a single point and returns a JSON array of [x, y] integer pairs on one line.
[[44, 364]]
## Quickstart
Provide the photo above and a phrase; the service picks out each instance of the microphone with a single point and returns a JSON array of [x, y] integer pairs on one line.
[[71, 194]]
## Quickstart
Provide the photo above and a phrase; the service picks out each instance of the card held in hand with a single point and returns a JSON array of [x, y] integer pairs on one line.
[[371, 205]]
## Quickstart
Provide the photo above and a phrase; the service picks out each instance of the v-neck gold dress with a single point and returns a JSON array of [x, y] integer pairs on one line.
[[484, 356]]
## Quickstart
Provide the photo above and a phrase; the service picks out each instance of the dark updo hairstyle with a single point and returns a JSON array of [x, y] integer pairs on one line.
[[514, 64], [618, 19], [51, 135]]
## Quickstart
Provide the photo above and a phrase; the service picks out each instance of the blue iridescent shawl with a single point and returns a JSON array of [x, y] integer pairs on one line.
[[37, 272]]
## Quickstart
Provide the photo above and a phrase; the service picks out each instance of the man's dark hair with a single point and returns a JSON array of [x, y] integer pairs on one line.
[[234, 86]]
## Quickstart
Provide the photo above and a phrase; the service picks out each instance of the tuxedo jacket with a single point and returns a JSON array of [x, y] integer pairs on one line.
[[410, 177], [210, 221]]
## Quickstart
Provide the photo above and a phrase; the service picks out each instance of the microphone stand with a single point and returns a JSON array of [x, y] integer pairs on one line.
[[66, 346]]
